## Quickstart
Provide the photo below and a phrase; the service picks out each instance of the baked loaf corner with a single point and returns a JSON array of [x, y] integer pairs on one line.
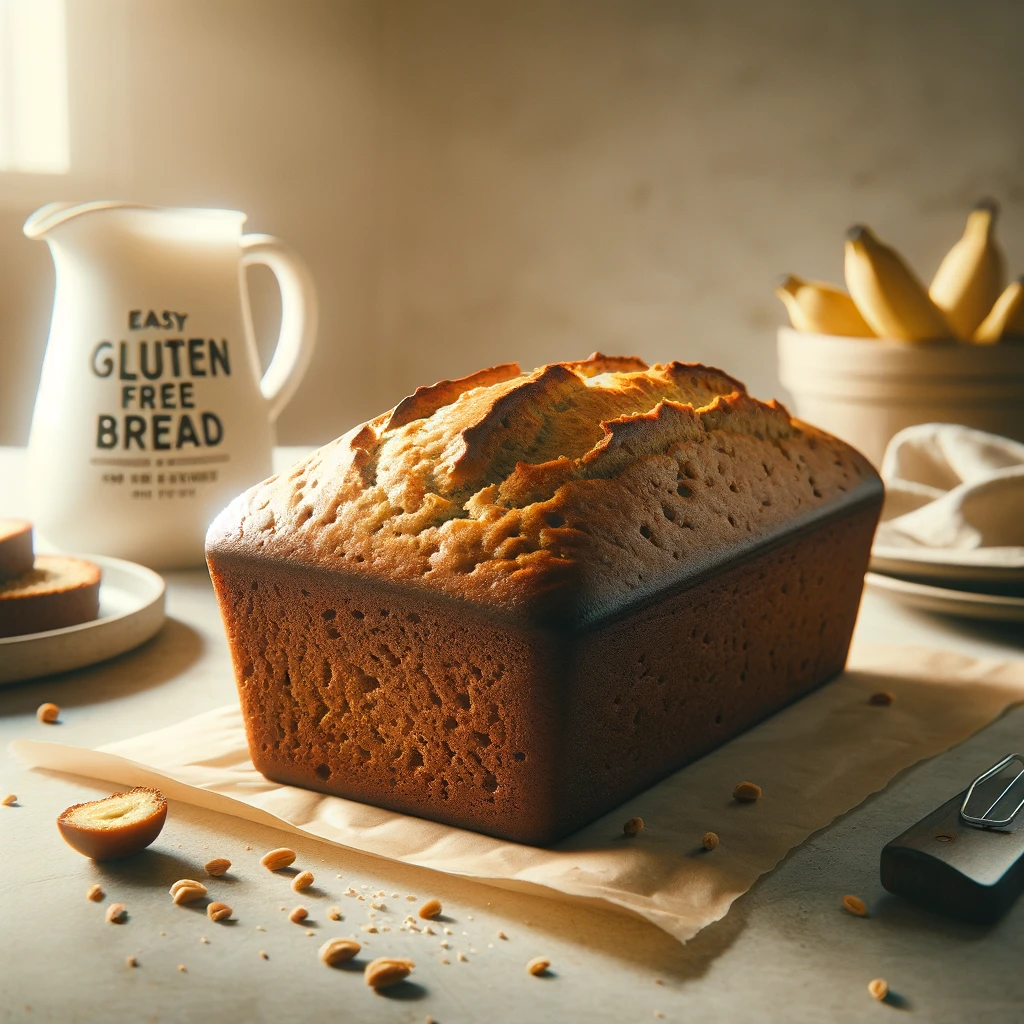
[[567, 492]]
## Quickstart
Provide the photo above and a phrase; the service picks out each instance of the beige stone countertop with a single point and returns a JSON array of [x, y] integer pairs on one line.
[[785, 952]]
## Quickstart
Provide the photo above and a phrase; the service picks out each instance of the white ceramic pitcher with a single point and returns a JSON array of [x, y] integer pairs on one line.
[[151, 414]]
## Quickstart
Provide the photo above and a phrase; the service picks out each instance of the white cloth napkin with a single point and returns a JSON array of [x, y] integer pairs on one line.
[[951, 487]]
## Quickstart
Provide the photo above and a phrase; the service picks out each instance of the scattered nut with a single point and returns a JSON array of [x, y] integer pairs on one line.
[[95, 893], [117, 913], [746, 792], [370, 929], [337, 951], [709, 840], [430, 909], [131, 961], [502, 935], [461, 957], [218, 911], [855, 905], [187, 890], [882, 699], [303, 880], [387, 970], [277, 859], [204, 940], [47, 713], [182, 968], [538, 966], [263, 955], [334, 913], [298, 915], [633, 827], [879, 988], [10, 800], [217, 867]]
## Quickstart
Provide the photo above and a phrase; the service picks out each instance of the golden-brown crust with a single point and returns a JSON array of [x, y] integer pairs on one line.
[[584, 482], [112, 841]]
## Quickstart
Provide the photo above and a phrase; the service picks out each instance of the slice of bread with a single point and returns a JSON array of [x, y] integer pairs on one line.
[[16, 552], [58, 591]]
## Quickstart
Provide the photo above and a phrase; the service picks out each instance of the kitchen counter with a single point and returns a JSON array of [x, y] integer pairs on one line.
[[785, 952]]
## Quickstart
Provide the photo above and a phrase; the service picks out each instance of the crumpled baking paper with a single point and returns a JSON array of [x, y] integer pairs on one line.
[[814, 760]]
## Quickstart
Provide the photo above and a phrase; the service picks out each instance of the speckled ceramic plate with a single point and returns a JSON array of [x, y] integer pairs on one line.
[[131, 611], [948, 602]]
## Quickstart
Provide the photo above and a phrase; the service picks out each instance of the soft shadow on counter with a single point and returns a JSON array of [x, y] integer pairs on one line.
[[168, 654]]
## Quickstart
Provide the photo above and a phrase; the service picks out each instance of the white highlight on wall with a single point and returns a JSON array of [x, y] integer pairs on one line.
[[33, 87]]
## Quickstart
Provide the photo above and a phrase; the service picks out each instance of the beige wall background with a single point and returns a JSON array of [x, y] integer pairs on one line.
[[473, 182]]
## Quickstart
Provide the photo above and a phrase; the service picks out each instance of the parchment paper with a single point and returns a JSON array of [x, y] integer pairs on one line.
[[815, 760]]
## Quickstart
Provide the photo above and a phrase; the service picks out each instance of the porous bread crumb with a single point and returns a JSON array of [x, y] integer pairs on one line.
[[448, 931], [47, 713], [879, 988], [371, 928], [334, 913], [260, 928], [309, 933], [204, 940]]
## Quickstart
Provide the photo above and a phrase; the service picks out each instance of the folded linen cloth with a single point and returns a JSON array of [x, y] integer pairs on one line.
[[956, 488]]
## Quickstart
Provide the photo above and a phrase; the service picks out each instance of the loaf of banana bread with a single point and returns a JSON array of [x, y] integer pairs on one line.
[[517, 599]]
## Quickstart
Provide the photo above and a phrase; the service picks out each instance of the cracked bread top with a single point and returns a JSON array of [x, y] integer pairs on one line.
[[567, 492]]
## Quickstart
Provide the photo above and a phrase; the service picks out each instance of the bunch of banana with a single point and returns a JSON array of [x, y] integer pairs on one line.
[[965, 300]]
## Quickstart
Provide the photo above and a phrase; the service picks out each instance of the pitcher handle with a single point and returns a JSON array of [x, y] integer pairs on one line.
[[299, 313]]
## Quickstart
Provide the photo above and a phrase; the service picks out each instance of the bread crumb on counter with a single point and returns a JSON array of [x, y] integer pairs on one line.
[[746, 792], [48, 713]]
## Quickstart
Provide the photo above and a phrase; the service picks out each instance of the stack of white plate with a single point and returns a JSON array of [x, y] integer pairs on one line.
[[984, 583]]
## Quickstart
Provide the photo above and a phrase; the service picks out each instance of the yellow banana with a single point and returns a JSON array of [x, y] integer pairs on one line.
[[887, 292], [1006, 319], [972, 274], [821, 308]]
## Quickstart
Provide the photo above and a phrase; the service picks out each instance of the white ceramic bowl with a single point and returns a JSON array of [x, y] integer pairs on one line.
[[864, 390]]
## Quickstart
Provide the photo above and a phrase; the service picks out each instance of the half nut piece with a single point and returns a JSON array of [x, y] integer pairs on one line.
[[116, 826]]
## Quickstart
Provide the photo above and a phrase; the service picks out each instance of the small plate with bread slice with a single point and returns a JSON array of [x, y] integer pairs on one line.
[[60, 612]]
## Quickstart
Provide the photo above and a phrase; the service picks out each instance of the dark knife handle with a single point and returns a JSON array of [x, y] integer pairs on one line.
[[951, 867]]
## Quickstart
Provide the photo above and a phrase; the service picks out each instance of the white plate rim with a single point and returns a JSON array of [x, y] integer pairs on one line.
[[123, 631], [973, 604], [937, 565]]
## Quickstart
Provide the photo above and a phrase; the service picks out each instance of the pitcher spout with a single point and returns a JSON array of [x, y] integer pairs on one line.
[[47, 217]]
